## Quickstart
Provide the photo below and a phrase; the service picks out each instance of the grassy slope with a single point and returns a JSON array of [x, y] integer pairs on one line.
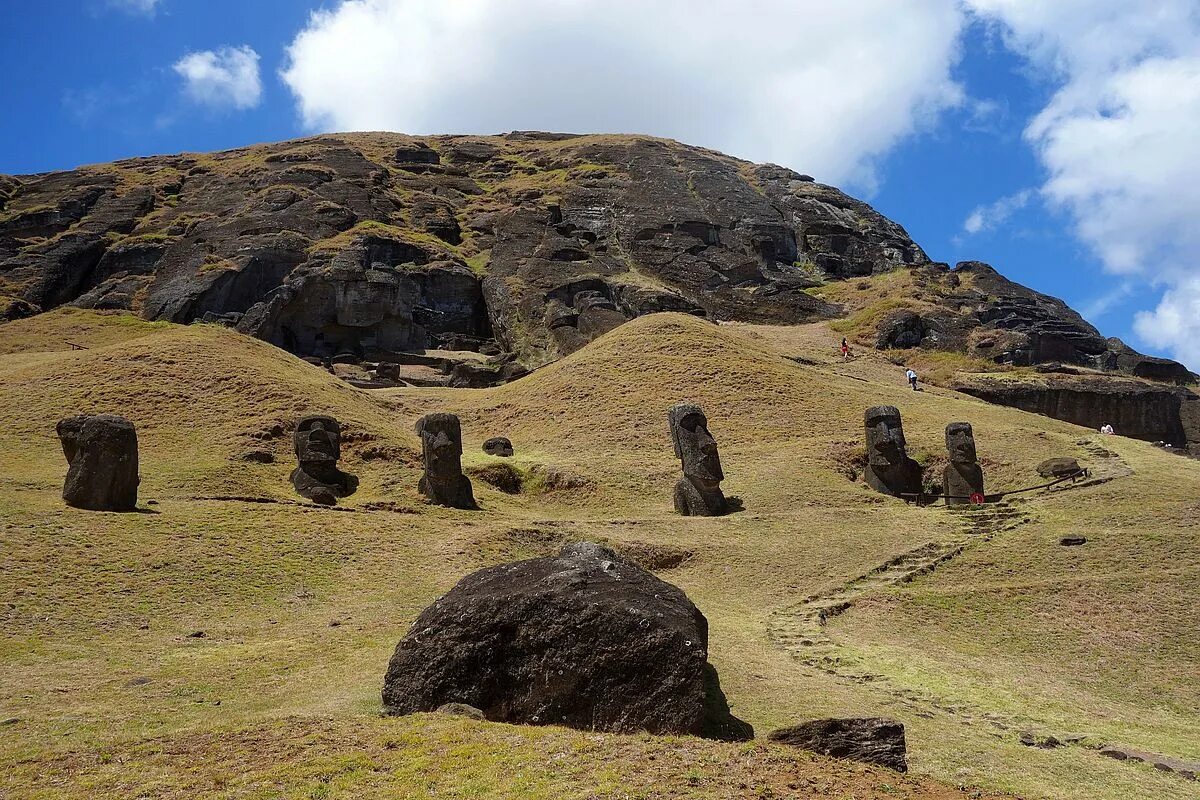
[[301, 606]]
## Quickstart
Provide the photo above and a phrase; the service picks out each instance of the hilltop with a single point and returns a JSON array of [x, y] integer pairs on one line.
[[113, 692]]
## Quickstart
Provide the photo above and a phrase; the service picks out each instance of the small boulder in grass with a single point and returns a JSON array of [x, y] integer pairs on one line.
[[871, 740], [498, 446]]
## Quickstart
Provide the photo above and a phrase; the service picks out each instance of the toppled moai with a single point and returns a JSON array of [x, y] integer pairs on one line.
[[963, 476], [102, 452], [698, 492], [441, 450], [318, 442], [889, 469]]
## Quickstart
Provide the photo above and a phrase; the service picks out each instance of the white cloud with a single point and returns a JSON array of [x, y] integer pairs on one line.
[[827, 88], [222, 79], [993, 215], [1119, 140], [146, 7]]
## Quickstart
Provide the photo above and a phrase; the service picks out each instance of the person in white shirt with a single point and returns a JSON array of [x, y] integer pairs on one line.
[[912, 378], [1107, 429]]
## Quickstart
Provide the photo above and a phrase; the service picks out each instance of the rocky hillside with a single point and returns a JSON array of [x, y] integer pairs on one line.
[[522, 247]]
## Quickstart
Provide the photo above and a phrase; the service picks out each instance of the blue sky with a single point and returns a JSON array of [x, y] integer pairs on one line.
[[1057, 144]]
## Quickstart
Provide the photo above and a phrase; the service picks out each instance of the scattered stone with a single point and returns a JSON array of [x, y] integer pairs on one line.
[[318, 444], [441, 448], [698, 492], [1072, 541], [872, 740], [963, 476], [197, 635], [1061, 467], [889, 469], [102, 452], [1031, 739], [564, 640], [498, 446], [133, 683], [258, 456], [1185, 769], [9, 721], [461, 710]]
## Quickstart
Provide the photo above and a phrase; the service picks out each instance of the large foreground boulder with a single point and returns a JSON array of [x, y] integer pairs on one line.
[[872, 740], [102, 452], [584, 639]]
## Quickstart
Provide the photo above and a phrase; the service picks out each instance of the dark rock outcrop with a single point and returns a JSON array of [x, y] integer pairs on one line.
[[1139, 409], [102, 452], [357, 242], [872, 740], [584, 639]]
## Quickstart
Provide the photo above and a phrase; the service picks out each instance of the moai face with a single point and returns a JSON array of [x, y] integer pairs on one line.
[[694, 445], [441, 445], [318, 441], [960, 442], [885, 437]]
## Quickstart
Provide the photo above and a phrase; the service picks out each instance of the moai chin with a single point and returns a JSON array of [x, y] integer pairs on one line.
[[698, 492], [889, 469], [441, 451], [102, 452], [318, 443], [963, 476]]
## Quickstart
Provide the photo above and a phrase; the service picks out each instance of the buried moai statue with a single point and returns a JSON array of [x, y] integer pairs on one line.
[[102, 452], [889, 469], [963, 477], [441, 450], [698, 492], [318, 441]]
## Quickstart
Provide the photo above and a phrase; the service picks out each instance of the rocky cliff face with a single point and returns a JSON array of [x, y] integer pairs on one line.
[[529, 243], [524, 247]]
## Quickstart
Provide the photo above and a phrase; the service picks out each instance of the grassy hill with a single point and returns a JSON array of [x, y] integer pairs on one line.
[[115, 695]]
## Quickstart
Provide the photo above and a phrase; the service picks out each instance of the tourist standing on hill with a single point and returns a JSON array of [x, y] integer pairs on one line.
[[845, 349], [912, 378]]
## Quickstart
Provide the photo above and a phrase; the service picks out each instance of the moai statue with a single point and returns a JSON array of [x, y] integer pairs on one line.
[[102, 452], [889, 469], [963, 476], [441, 449], [318, 441], [698, 493]]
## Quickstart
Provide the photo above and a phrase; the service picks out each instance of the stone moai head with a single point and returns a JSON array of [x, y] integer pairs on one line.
[[963, 477], [102, 453], [960, 442], [885, 436], [441, 451], [695, 447], [318, 440], [698, 493], [318, 444]]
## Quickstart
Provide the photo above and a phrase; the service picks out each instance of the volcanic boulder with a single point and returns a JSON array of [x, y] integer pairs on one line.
[[873, 740], [102, 452], [584, 639]]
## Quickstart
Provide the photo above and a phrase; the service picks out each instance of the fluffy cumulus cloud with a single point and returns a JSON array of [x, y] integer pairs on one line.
[[227, 78], [826, 88], [1118, 140]]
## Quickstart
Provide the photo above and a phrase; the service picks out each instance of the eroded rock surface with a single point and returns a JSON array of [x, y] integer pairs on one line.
[[102, 454], [585, 639], [872, 740]]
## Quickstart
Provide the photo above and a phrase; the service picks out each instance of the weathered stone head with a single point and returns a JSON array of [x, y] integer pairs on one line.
[[889, 469], [102, 452], [960, 443], [963, 476], [318, 443], [698, 493], [441, 450]]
